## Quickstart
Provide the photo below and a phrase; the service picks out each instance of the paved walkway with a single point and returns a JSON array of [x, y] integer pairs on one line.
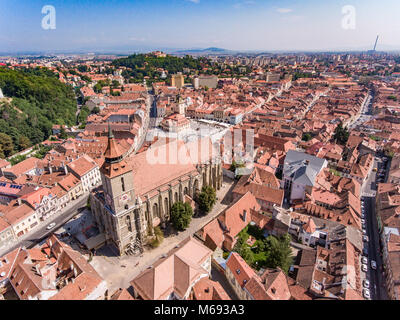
[[118, 272]]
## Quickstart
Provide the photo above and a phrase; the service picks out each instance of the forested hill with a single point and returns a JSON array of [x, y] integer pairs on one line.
[[142, 65], [38, 100]]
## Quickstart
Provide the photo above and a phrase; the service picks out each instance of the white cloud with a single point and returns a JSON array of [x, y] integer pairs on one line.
[[194, 1], [284, 10], [242, 4], [137, 39]]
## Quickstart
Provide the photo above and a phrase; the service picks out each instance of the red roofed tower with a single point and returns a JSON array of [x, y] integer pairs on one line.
[[117, 177]]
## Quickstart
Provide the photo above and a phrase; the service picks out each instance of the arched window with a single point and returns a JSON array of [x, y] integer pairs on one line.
[[128, 222], [123, 184]]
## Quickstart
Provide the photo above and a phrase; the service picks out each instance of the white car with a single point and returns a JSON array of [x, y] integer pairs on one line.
[[363, 221], [364, 268], [366, 293], [373, 264], [366, 283], [364, 232], [362, 216], [51, 226], [364, 226], [365, 239], [364, 260]]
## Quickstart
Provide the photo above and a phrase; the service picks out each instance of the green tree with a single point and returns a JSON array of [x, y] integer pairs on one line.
[[39, 100], [23, 143], [236, 165], [306, 136], [83, 68], [278, 252], [97, 88], [207, 199], [6, 144], [95, 110], [17, 159], [341, 134], [63, 133], [181, 215]]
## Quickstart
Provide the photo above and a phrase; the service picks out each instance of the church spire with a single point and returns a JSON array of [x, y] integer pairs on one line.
[[112, 154], [114, 163]]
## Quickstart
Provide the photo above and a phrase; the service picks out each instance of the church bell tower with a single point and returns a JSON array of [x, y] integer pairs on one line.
[[117, 178]]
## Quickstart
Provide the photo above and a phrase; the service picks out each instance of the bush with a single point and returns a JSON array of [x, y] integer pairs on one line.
[[159, 234], [158, 237]]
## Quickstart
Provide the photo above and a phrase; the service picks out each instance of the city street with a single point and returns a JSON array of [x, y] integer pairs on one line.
[[377, 289], [365, 114], [40, 232]]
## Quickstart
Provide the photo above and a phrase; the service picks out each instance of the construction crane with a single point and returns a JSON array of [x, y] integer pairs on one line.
[[376, 42]]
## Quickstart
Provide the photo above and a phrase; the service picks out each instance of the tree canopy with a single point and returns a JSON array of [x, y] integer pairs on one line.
[[39, 100], [142, 65], [207, 199], [341, 134], [181, 215]]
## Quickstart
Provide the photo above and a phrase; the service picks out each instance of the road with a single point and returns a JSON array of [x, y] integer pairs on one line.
[[377, 283], [149, 104], [365, 114], [40, 233]]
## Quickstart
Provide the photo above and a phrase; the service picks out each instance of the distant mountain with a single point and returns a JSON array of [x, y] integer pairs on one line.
[[203, 51]]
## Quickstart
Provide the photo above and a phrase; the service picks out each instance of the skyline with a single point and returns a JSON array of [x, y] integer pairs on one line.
[[245, 25]]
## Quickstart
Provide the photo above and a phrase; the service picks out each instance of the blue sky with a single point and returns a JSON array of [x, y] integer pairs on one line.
[[231, 24]]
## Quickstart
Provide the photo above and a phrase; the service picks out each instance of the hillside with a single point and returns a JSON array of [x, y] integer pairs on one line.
[[39, 100], [142, 65]]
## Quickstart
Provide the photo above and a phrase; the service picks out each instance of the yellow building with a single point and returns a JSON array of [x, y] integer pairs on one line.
[[177, 80]]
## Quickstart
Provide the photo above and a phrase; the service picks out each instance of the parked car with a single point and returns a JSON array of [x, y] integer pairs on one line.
[[364, 268], [364, 260], [363, 221], [364, 226], [366, 293], [363, 216], [365, 239], [51, 226], [365, 252], [366, 283], [364, 232], [373, 264]]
